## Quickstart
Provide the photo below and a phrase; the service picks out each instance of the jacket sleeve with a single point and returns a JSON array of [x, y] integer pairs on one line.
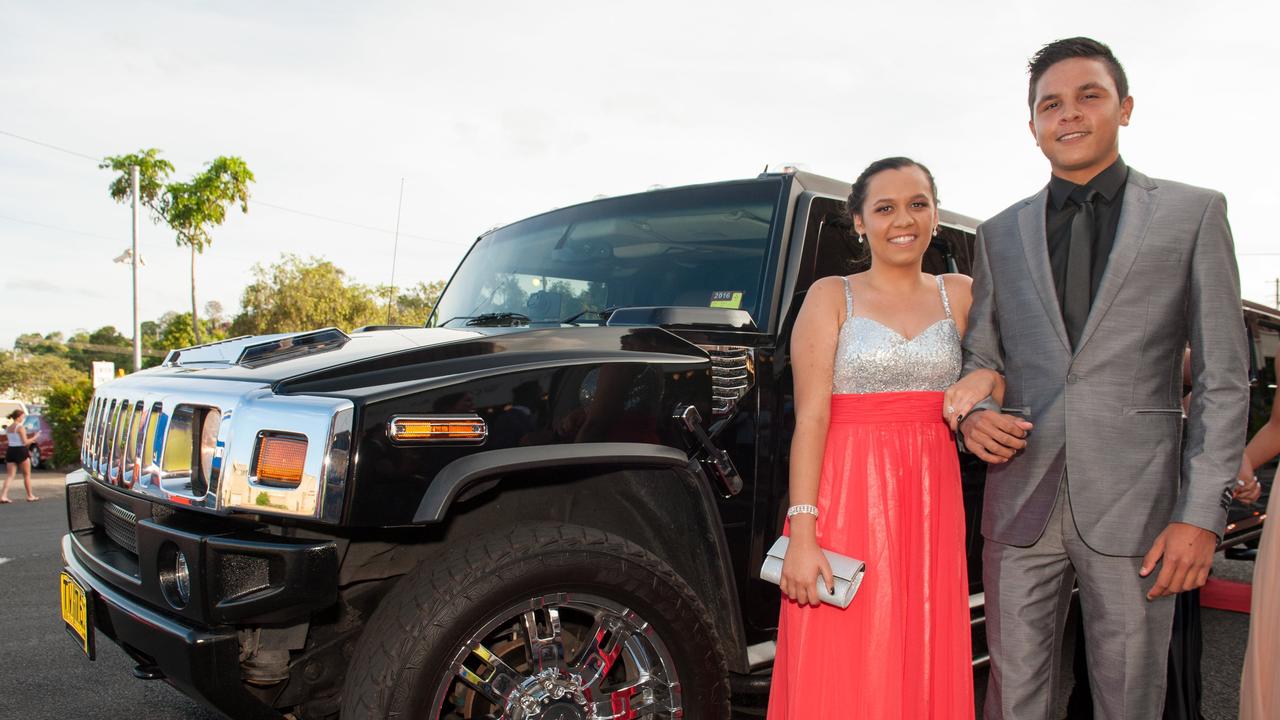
[[982, 346], [1217, 419]]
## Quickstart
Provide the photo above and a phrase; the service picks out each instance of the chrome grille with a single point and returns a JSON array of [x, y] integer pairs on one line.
[[732, 373], [136, 441], [121, 526]]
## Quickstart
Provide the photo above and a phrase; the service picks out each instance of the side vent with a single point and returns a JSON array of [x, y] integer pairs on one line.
[[732, 375]]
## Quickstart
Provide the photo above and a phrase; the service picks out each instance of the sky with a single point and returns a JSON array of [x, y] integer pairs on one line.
[[492, 111]]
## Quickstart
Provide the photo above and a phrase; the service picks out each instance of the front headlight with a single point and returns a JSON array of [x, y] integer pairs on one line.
[[287, 455]]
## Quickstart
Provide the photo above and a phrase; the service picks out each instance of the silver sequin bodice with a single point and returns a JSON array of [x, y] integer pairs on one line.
[[871, 358]]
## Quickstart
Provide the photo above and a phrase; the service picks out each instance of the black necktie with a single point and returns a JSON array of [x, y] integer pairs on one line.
[[1079, 291]]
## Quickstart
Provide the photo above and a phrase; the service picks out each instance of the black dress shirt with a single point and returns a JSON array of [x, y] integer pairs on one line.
[[1109, 184]]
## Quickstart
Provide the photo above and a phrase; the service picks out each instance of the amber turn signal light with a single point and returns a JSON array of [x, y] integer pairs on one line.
[[280, 459], [466, 428]]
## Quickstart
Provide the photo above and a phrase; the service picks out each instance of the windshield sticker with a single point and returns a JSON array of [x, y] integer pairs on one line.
[[731, 299]]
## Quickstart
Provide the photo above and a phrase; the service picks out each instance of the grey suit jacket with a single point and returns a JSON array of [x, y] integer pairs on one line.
[[1108, 416]]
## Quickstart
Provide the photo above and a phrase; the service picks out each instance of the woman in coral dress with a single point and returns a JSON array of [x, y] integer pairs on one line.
[[874, 475]]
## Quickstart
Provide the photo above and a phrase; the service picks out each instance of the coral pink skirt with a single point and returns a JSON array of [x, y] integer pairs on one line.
[[889, 495]]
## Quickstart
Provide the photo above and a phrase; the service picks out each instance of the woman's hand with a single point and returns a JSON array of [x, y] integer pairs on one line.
[[803, 568], [1247, 489], [968, 391]]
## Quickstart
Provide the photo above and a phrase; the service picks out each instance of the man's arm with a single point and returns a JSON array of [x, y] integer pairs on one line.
[[1218, 416], [982, 349], [991, 436]]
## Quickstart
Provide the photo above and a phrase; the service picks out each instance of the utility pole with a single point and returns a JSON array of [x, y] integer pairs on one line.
[[133, 262]]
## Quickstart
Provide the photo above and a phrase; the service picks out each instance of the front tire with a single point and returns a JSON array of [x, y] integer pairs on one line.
[[540, 622], [34, 451]]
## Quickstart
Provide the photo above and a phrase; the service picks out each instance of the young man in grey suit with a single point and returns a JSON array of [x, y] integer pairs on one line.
[[1084, 297]]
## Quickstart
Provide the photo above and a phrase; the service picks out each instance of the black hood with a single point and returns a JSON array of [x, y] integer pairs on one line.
[[381, 362]]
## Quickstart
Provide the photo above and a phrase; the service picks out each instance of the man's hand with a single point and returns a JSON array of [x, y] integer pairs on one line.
[[1187, 553], [994, 437]]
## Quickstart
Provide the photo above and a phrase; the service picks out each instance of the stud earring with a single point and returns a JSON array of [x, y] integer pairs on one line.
[[935, 231]]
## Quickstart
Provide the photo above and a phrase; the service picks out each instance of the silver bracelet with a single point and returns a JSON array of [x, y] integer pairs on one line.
[[798, 509]]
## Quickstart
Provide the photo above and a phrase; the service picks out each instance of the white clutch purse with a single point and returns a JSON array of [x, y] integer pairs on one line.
[[846, 573]]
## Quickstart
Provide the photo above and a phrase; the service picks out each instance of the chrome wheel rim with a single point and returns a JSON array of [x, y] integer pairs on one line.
[[561, 657]]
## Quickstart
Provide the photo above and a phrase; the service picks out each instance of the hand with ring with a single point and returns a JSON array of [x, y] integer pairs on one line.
[[1247, 488], [968, 391]]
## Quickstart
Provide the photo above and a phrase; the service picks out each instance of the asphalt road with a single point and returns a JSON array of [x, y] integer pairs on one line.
[[44, 674]]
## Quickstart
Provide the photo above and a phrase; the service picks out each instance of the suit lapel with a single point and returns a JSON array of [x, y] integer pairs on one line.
[[1035, 248], [1140, 200]]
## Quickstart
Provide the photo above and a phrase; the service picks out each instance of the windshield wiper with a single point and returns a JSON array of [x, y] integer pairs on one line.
[[603, 314], [502, 319]]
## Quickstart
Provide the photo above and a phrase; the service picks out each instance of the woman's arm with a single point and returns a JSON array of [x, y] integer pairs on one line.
[[979, 384], [813, 349], [1265, 443]]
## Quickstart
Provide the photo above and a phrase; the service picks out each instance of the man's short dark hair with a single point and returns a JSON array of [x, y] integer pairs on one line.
[[1076, 47]]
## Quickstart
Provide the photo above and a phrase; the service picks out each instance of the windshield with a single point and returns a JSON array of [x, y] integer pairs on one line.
[[702, 246]]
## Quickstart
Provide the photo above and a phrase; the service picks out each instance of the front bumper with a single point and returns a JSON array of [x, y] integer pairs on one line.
[[242, 574], [203, 664]]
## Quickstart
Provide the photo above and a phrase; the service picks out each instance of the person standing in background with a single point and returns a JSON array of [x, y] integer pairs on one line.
[[17, 456]]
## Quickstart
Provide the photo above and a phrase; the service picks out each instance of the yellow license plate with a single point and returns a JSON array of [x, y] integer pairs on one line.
[[75, 613]]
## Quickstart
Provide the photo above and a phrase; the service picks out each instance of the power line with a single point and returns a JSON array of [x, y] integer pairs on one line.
[[61, 229], [295, 211], [370, 228], [51, 147]]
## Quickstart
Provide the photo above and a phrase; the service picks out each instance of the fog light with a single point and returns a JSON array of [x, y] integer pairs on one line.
[[175, 576], [181, 578]]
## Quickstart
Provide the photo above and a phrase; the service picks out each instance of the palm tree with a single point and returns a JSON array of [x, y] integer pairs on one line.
[[194, 208]]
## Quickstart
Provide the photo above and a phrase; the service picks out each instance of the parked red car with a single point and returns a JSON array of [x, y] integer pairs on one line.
[[40, 433]]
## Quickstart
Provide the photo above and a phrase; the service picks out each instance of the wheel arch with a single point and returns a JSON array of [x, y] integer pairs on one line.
[[652, 495]]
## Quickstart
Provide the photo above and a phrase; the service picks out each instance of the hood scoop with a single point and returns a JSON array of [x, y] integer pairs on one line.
[[254, 352]]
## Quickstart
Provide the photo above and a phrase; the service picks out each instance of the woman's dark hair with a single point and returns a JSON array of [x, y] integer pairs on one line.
[[858, 196], [1076, 47], [16, 414]]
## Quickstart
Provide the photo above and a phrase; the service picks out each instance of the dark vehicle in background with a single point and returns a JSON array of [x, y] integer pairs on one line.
[[551, 503], [40, 433]]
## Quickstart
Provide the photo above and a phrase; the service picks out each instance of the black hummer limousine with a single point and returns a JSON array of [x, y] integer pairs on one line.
[[550, 503]]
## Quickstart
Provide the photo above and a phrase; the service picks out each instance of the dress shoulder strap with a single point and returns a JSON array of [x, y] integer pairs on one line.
[[946, 302], [848, 298]]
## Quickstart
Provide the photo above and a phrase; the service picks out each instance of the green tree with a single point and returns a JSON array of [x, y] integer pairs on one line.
[[194, 208], [67, 403], [177, 333], [29, 377], [413, 304], [191, 209], [36, 344], [298, 294], [153, 171]]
